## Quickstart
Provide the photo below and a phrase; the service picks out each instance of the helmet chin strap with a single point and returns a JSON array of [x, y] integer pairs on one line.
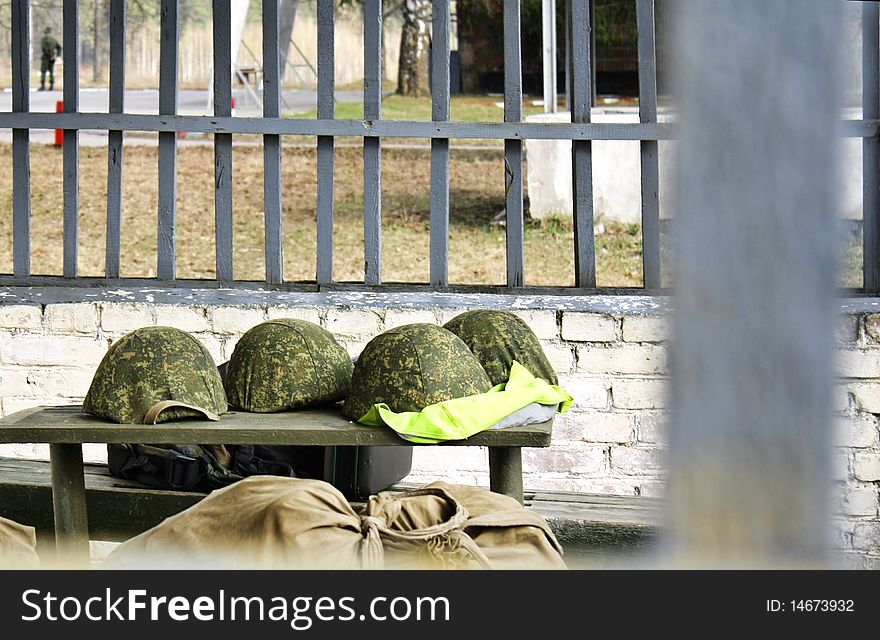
[[153, 414]]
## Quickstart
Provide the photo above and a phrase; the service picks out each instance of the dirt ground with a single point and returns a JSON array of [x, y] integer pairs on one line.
[[476, 248]]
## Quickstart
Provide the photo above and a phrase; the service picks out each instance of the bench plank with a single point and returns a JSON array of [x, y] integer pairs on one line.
[[589, 526], [117, 509], [319, 427]]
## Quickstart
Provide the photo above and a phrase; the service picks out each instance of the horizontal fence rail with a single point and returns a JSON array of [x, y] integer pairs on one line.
[[579, 45]]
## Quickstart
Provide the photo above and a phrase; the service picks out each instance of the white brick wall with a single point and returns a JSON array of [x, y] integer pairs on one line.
[[71, 318], [614, 364], [646, 329], [624, 359], [192, 319], [235, 319], [351, 323], [588, 327], [19, 316]]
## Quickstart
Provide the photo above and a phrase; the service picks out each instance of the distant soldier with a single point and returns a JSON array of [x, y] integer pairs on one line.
[[51, 50]]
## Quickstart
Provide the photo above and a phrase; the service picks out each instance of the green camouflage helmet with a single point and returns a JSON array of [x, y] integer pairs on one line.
[[156, 374], [287, 364], [497, 338], [411, 367]]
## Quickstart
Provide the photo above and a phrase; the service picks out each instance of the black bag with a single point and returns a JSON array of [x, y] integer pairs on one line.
[[359, 472]]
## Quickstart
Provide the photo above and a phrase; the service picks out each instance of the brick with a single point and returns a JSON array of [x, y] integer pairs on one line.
[[852, 363], [866, 466], [34, 350], [20, 316], [215, 347], [543, 323], [353, 348], [559, 356], [652, 427], [445, 314], [866, 536], [840, 398], [608, 427], [95, 453], [627, 359], [191, 319], [872, 326], [847, 561], [354, 323], [71, 318], [858, 432], [564, 459], [588, 393], [867, 396], [646, 328], [11, 405], [848, 328], [25, 451], [840, 466], [594, 427], [471, 478], [235, 319], [399, 317], [860, 502], [628, 393], [65, 382], [637, 461], [608, 486], [652, 489], [588, 327], [446, 459], [310, 314], [125, 317]]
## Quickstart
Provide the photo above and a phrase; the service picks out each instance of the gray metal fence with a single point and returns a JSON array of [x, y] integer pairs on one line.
[[372, 129]]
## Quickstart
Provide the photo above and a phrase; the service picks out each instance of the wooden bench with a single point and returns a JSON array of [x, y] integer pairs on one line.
[[66, 428], [592, 528]]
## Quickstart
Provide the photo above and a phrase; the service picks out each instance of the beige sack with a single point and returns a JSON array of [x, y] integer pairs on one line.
[[17, 546], [272, 522]]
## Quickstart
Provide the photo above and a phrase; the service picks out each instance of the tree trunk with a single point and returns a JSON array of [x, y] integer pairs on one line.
[[415, 48], [98, 40]]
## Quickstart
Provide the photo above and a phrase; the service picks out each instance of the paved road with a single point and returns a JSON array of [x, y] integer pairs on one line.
[[190, 102]]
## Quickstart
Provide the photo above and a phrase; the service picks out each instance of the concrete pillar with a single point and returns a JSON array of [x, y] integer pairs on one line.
[[752, 362]]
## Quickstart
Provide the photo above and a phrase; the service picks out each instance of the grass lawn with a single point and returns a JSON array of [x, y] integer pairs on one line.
[[464, 108], [476, 249]]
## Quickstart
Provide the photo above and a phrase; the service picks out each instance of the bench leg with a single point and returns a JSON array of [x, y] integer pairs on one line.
[[69, 502], [505, 471]]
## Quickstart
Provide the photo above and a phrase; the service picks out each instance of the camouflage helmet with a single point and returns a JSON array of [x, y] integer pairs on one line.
[[497, 338], [286, 364], [156, 374], [411, 367]]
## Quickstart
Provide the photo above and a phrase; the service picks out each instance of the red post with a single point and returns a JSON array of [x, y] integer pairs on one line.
[[59, 133]]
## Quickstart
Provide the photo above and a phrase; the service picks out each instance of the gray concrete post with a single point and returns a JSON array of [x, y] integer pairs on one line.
[[752, 356]]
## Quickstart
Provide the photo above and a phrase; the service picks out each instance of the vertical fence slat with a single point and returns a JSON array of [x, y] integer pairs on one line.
[[871, 147], [650, 168], [71, 138], [582, 154], [272, 145], [326, 152], [440, 46], [21, 152], [513, 166], [114, 139], [168, 77], [372, 146], [222, 23]]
